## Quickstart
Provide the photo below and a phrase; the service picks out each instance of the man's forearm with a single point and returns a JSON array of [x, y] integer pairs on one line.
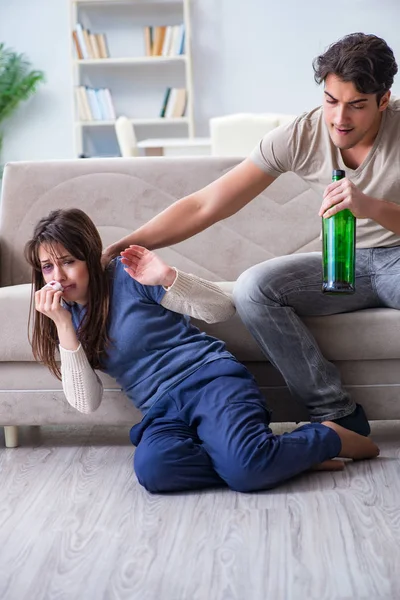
[[386, 214]]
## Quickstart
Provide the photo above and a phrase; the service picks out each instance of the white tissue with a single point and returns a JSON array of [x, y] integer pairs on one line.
[[55, 285]]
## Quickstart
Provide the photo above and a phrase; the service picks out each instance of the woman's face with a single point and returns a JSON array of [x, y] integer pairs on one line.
[[59, 265]]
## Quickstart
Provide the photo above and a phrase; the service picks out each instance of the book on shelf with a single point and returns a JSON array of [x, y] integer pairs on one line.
[[102, 42], [84, 112], [94, 104], [110, 103], [158, 40], [164, 40], [179, 106], [166, 48], [94, 45], [89, 45], [174, 103], [148, 41], [165, 102], [80, 44], [78, 48]]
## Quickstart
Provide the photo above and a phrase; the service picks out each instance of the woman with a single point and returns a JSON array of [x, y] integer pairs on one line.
[[205, 422]]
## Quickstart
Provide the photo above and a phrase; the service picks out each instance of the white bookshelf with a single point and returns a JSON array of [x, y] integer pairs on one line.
[[135, 122], [137, 82], [150, 60], [114, 2]]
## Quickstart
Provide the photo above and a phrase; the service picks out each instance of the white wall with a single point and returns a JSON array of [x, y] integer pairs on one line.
[[252, 55], [42, 127], [256, 55]]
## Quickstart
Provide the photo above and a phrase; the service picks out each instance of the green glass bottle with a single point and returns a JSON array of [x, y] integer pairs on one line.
[[339, 249]]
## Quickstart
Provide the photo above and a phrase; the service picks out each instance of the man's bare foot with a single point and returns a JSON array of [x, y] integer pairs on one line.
[[354, 445]]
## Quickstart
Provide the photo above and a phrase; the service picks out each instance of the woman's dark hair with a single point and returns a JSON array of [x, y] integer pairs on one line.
[[73, 229], [365, 60]]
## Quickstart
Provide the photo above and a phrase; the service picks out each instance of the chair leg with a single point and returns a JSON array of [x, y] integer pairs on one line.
[[11, 436]]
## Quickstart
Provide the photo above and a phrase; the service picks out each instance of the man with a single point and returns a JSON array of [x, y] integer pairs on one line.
[[357, 129]]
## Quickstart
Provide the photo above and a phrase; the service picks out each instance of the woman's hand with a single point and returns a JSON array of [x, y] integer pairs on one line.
[[48, 302], [146, 267]]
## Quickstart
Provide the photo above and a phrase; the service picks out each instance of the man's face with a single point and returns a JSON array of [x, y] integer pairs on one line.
[[351, 117]]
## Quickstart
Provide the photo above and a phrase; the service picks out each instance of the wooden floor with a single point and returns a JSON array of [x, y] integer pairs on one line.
[[75, 524]]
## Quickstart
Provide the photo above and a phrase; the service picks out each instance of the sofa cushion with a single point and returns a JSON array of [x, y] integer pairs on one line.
[[371, 334], [33, 376], [238, 134]]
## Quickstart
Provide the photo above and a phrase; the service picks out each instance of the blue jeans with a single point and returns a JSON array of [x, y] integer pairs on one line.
[[272, 297], [213, 430]]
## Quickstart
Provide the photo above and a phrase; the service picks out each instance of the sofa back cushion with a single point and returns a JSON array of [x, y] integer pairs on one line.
[[121, 194]]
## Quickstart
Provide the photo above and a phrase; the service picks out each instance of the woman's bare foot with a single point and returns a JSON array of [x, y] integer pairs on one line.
[[329, 465], [354, 445]]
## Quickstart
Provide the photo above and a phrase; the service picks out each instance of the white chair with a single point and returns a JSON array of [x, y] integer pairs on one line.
[[126, 137], [238, 134]]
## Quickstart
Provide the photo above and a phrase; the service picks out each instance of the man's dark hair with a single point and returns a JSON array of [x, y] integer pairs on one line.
[[365, 60]]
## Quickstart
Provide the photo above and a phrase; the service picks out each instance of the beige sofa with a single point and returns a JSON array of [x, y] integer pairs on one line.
[[119, 195]]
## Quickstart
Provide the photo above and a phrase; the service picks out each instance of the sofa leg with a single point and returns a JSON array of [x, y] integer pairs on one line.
[[11, 436]]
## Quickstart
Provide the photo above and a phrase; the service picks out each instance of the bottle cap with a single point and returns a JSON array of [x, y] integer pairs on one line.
[[338, 173]]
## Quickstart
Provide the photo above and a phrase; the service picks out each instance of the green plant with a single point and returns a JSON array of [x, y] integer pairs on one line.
[[17, 82]]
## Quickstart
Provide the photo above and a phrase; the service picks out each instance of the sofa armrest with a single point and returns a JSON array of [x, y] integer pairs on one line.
[[14, 315]]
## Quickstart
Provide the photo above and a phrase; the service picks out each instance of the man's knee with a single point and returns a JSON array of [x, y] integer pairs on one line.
[[268, 282], [260, 283]]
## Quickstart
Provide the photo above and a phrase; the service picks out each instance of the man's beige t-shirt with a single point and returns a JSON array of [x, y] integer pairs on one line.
[[305, 147]]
